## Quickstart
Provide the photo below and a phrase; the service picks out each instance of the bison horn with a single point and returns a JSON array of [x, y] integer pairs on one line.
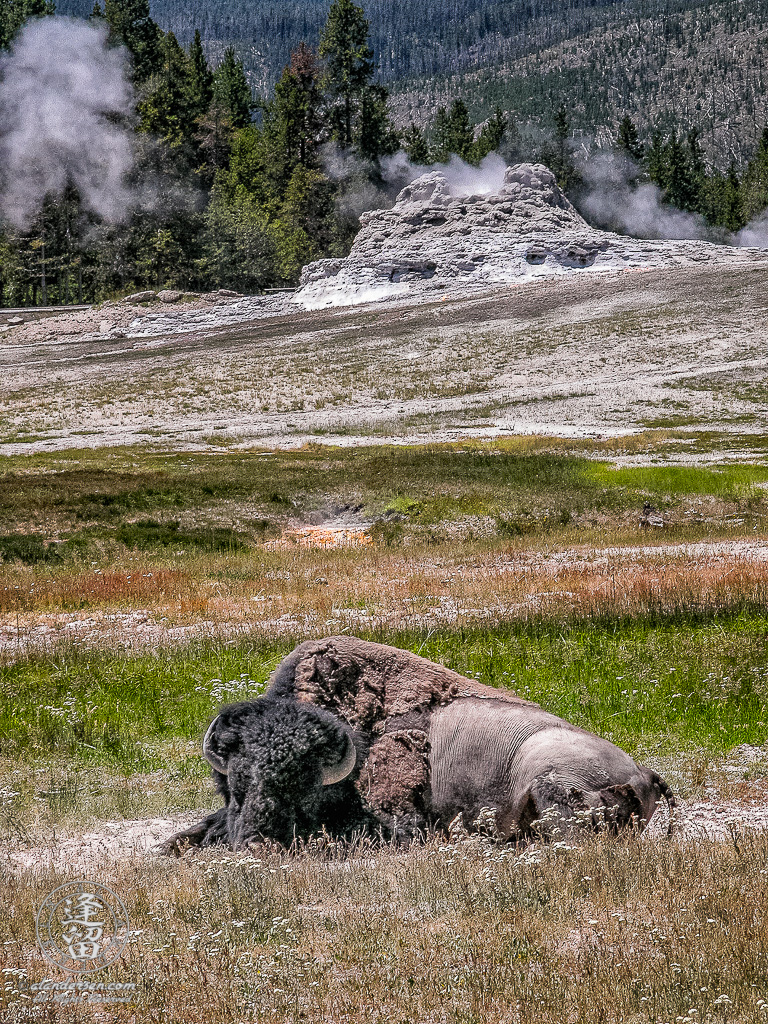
[[213, 759], [341, 769]]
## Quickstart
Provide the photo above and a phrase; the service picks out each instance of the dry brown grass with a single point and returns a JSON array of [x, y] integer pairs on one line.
[[372, 586], [454, 930]]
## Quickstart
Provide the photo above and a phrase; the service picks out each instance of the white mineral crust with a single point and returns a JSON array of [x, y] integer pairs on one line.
[[432, 239]]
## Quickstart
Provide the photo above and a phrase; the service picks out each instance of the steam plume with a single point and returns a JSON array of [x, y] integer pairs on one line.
[[612, 200], [462, 179], [62, 94]]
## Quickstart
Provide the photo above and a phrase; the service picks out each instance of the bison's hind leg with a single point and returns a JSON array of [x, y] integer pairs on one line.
[[553, 808]]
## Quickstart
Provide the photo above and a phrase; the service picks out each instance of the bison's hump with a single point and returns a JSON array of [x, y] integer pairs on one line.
[[366, 683]]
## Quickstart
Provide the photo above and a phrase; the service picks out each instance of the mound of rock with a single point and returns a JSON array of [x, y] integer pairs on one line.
[[433, 238]]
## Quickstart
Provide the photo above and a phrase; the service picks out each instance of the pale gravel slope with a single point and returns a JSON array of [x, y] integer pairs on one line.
[[577, 355]]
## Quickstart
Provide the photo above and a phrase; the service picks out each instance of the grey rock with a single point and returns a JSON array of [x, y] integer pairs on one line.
[[433, 239], [169, 295], [220, 295], [138, 297]]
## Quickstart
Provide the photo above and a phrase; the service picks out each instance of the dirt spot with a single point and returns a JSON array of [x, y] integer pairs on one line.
[[119, 840], [321, 537]]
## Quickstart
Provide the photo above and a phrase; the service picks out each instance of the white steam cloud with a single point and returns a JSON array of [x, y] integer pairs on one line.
[[755, 233], [62, 95], [461, 178], [613, 200], [397, 171]]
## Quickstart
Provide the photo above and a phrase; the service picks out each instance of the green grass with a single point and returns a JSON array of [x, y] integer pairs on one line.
[[664, 686], [728, 482], [138, 498]]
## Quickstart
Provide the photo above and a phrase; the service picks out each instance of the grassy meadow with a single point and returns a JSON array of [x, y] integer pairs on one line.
[[521, 563]]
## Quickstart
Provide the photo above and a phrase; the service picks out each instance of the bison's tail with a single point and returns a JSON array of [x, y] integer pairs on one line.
[[669, 796]]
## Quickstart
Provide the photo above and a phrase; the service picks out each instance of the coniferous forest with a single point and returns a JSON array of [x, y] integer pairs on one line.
[[239, 189]]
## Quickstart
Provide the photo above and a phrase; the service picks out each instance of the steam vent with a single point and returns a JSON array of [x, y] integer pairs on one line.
[[433, 238]]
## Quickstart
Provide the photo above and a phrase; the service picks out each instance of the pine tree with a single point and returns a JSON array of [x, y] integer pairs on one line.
[[130, 25], [461, 130], [656, 160], [348, 66], [627, 139], [561, 163], [441, 136], [492, 135], [169, 109], [294, 118], [680, 187], [375, 136], [754, 186], [201, 77], [733, 217], [415, 144], [698, 170], [214, 138], [14, 13], [231, 89]]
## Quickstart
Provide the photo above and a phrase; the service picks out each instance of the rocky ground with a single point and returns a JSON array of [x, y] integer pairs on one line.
[[595, 355]]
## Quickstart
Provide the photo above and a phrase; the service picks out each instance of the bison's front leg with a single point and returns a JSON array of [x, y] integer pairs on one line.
[[211, 831]]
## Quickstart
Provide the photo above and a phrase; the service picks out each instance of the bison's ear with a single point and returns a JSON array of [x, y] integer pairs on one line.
[[210, 751], [342, 760]]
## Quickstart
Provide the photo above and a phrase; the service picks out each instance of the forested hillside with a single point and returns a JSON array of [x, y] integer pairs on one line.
[[696, 61], [131, 161]]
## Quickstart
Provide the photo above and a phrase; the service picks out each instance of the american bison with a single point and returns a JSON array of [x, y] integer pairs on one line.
[[354, 736]]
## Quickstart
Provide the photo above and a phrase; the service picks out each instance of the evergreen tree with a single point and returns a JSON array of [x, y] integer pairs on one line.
[[453, 132], [169, 110], [214, 138], [461, 130], [294, 116], [238, 244], [13, 14], [492, 135], [441, 136], [656, 160], [627, 140], [375, 135], [231, 89], [201, 77], [348, 66], [304, 226], [754, 186], [131, 26], [680, 186], [560, 161], [733, 217], [415, 144]]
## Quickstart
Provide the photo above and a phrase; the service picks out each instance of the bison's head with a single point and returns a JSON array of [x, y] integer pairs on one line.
[[278, 763]]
